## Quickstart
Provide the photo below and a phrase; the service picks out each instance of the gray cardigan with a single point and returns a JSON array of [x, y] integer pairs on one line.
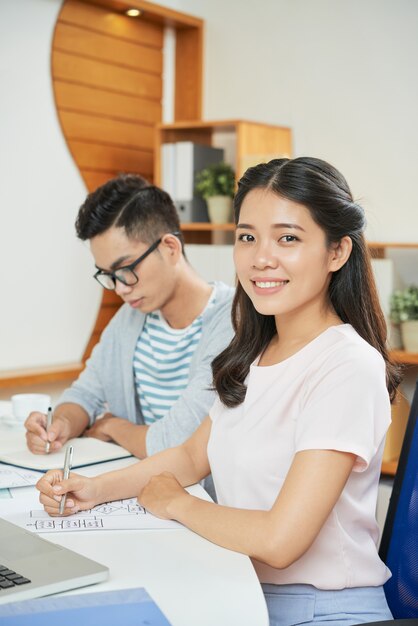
[[107, 382]]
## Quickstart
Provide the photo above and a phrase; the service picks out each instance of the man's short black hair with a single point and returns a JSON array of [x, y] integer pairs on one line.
[[128, 201]]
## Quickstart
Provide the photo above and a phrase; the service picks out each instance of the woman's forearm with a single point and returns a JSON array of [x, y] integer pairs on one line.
[[278, 536], [128, 482], [241, 530]]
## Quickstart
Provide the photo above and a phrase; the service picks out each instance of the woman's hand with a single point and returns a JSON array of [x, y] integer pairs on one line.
[[81, 492], [162, 495]]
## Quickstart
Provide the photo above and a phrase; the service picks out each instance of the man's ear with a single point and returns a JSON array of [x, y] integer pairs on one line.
[[340, 253], [172, 245]]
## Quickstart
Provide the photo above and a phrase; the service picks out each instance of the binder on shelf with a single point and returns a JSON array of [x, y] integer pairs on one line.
[[168, 168], [181, 161]]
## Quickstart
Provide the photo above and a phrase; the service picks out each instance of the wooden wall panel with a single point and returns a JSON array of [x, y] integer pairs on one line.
[[108, 85], [73, 97], [115, 160], [104, 75], [96, 178], [97, 46], [107, 75], [108, 132], [102, 20]]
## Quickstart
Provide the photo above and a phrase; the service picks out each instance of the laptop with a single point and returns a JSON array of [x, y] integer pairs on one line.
[[31, 566]]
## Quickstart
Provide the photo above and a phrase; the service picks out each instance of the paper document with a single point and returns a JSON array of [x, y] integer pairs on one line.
[[11, 477], [130, 607], [87, 450], [118, 515]]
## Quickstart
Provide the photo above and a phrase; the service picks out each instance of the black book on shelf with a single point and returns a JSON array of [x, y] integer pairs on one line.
[[181, 161]]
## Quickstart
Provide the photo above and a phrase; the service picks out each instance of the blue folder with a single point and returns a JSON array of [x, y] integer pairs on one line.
[[130, 607]]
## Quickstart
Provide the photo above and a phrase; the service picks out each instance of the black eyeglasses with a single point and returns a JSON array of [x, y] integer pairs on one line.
[[126, 274]]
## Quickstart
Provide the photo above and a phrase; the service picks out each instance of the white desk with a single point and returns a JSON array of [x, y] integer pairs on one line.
[[194, 582]]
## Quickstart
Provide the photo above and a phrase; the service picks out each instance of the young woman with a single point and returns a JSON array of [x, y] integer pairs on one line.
[[295, 438]]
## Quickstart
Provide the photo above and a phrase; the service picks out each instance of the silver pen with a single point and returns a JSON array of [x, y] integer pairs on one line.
[[48, 425], [67, 466]]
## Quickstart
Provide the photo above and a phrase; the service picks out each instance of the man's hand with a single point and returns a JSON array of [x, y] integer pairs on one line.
[[101, 429], [161, 495], [132, 437], [37, 437]]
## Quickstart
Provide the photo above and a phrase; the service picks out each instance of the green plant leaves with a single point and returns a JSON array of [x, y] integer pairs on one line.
[[404, 305], [216, 180]]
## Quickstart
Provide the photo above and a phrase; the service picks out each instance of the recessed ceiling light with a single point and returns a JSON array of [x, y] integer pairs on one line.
[[133, 12]]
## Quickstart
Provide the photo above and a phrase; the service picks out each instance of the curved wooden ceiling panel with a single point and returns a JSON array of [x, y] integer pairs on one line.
[[107, 80], [107, 77]]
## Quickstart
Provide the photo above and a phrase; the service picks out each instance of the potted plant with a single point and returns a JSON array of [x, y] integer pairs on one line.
[[216, 184], [404, 311]]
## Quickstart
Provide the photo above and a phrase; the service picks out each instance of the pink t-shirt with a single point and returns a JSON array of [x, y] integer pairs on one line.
[[330, 395]]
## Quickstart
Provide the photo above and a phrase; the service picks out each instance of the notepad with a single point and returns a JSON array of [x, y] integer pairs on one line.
[[130, 607], [87, 451]]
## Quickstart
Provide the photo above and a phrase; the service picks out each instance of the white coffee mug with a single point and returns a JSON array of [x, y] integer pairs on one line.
[[25, 403]]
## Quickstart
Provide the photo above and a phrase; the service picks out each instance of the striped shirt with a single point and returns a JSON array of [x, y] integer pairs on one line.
[[161, 363]]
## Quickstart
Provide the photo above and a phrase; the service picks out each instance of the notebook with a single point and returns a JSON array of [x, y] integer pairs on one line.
[[31, 566], [87, 451]]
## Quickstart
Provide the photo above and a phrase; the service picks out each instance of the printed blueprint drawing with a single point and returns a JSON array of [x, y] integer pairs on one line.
[[117, 515], [11, 477]]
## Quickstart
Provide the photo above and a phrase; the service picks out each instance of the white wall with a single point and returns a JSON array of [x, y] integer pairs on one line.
[[341, 74], [49, 301]]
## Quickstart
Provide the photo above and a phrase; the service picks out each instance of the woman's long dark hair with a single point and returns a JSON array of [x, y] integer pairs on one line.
[[352, 290]]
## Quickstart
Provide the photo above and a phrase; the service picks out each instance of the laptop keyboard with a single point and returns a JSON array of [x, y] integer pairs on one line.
[[9, 578]]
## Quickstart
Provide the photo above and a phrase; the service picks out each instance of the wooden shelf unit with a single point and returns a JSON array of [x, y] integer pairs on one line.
[[245, 143], [378, 248], [404, 358], [389, 468], [206, 226]]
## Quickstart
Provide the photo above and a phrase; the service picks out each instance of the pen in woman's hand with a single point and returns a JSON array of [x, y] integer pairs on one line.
[[67, 466]]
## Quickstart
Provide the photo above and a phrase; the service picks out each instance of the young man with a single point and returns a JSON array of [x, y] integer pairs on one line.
[[151, 371]]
